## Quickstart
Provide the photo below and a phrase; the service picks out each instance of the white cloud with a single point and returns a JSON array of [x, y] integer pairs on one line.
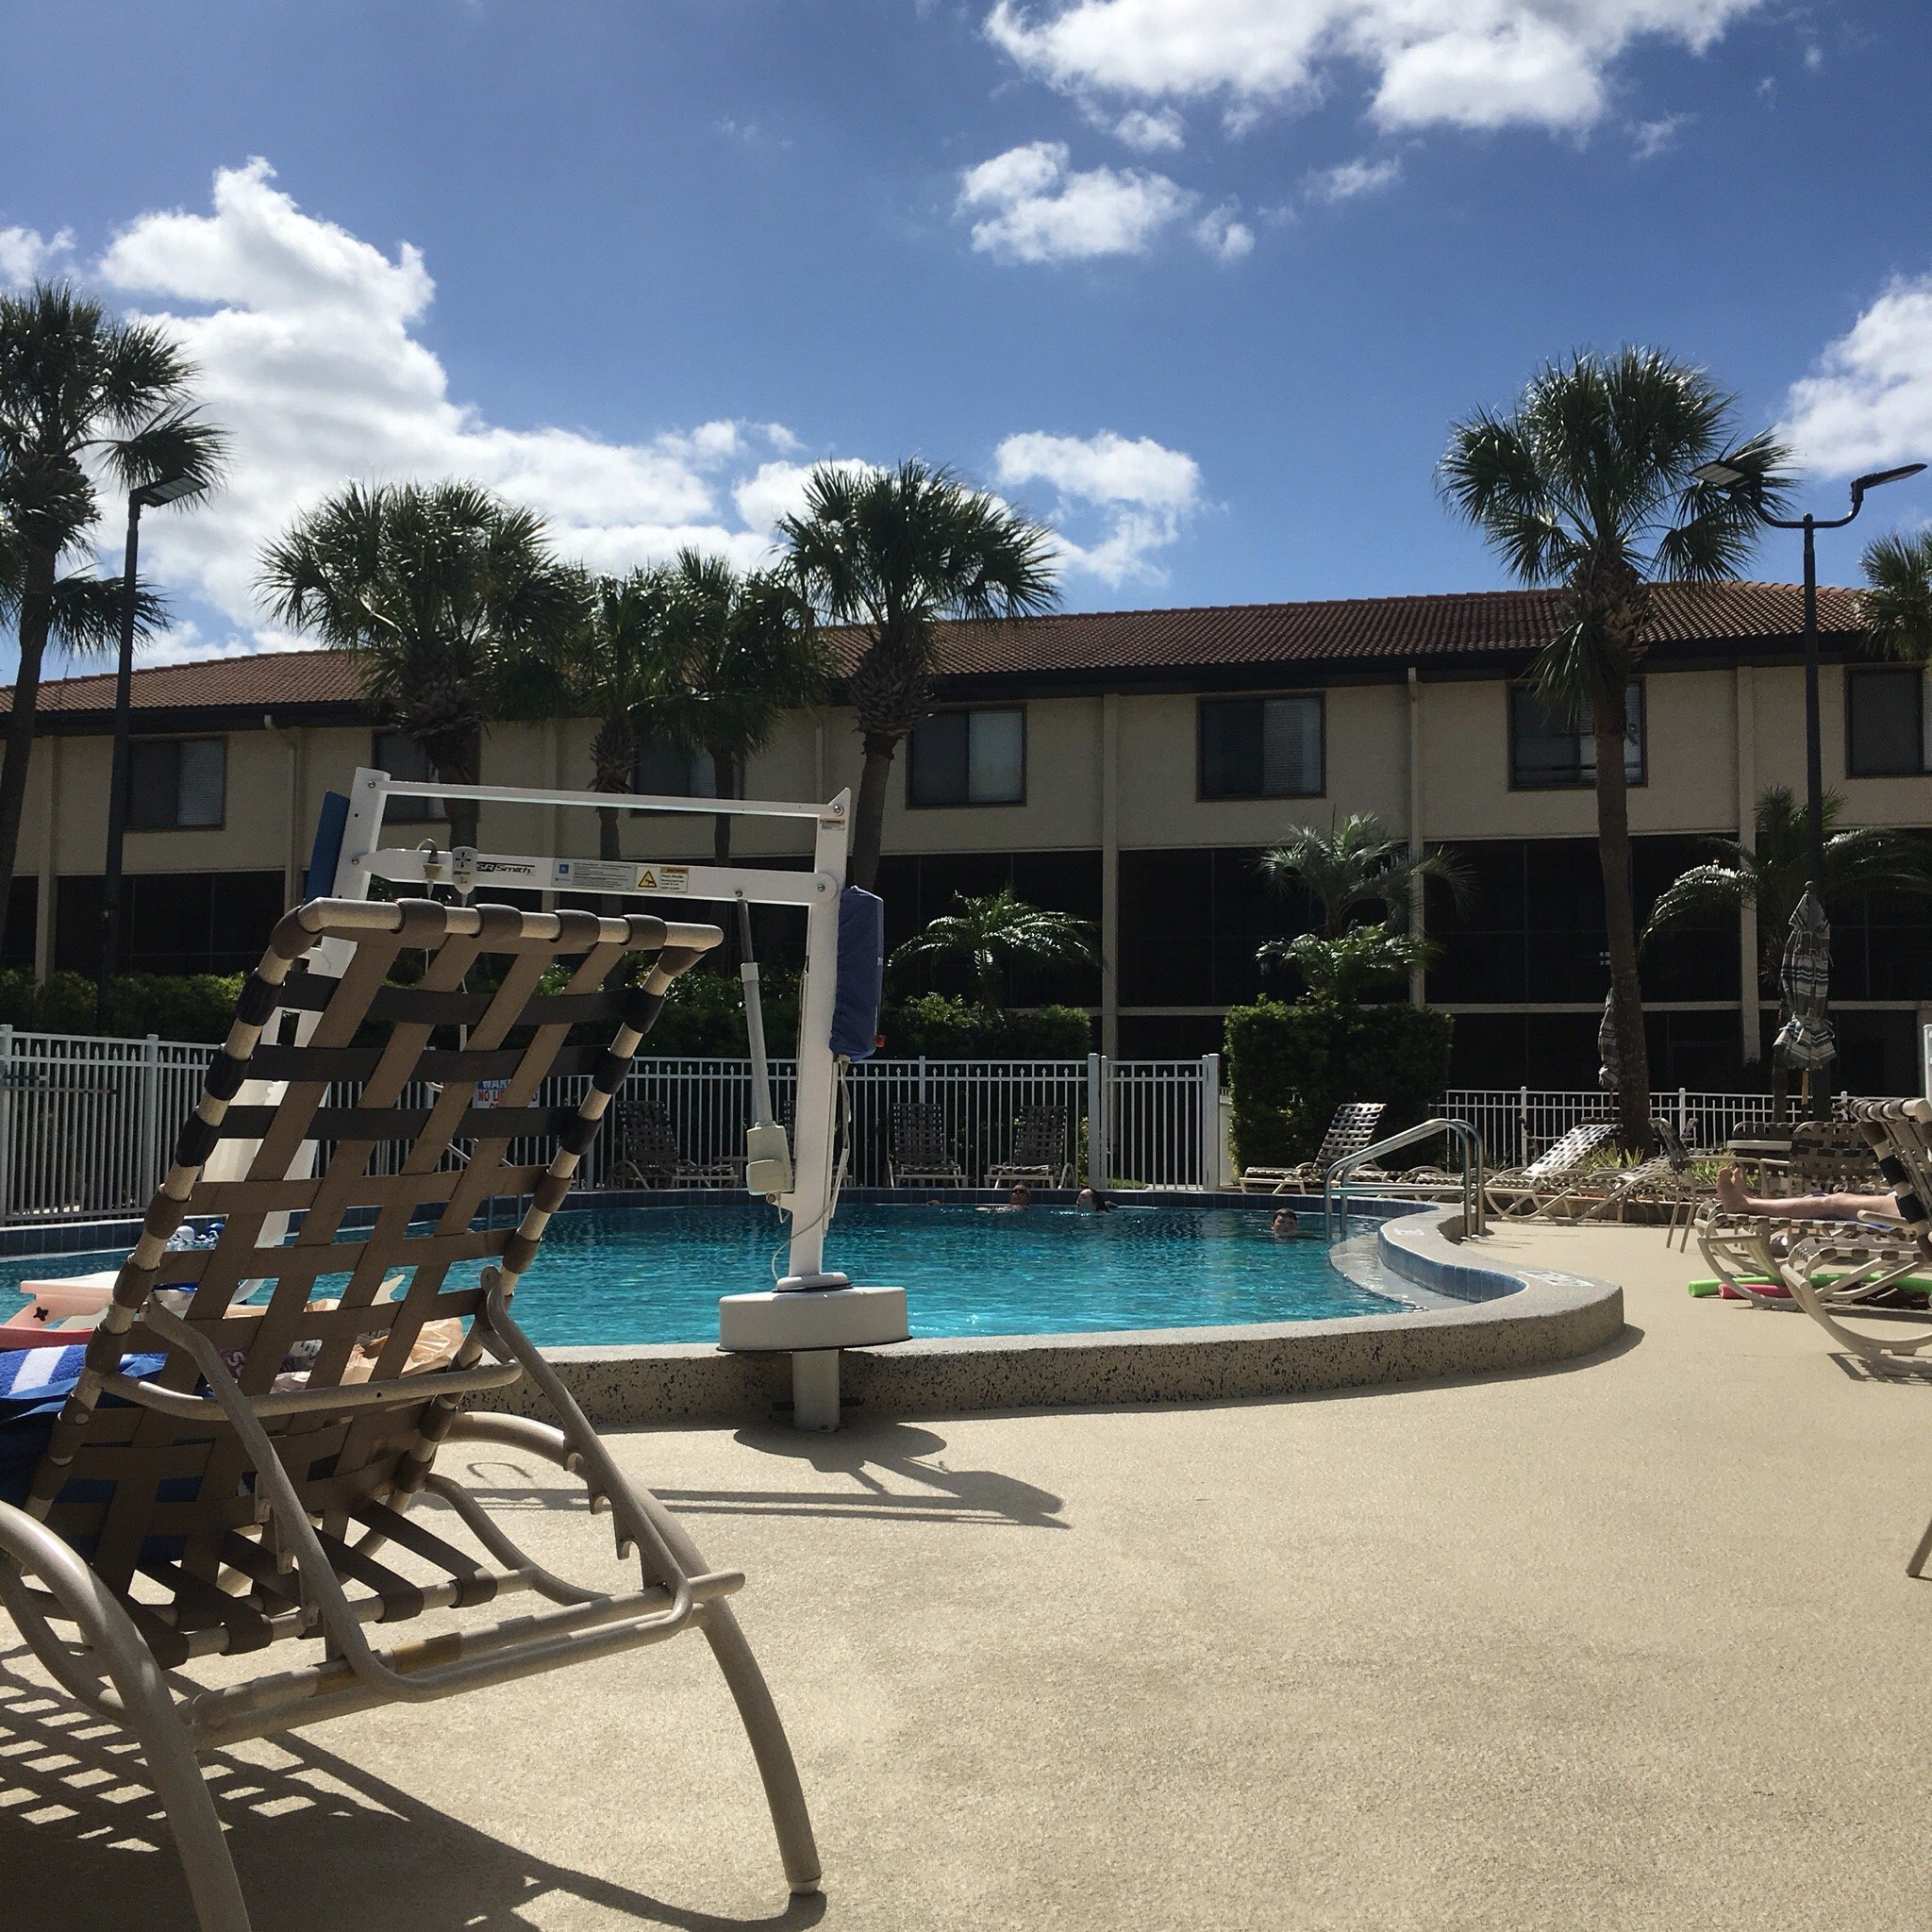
[[777, 490], [1649, 138], [26, 253], [1352, 179], [307, 339], [1225, 237], [1032, 207], [1161, 131], [1141, 492], [1469, 64], [1869, 403]]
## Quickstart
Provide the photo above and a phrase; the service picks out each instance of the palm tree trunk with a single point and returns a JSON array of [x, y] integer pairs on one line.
[[1620, 928], [869, 821], [458, 759], [608, 846], [36, 618], [729, 786]]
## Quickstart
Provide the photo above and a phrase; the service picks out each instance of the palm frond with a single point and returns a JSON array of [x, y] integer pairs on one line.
[[1898, 595]]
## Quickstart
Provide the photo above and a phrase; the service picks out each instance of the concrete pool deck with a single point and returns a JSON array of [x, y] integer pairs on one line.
[[1623, 1643]]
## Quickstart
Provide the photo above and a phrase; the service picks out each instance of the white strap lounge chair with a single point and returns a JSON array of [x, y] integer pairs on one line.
[[229, 1477], [1559, 1174], [1351, 1129]]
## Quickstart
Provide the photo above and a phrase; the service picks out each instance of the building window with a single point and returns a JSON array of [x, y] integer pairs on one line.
[[666, 771], [176, 784], [968, 757], [1887, 721], [400, 757], [1261, 747], [1549, 752]]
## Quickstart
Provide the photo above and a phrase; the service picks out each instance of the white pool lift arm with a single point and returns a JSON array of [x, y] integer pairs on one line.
[[814, 1313]]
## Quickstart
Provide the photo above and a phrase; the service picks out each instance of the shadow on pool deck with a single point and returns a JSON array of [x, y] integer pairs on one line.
[[84, 1846]]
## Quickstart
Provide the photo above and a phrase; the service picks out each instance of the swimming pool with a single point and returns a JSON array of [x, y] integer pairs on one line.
[[654, 1275]]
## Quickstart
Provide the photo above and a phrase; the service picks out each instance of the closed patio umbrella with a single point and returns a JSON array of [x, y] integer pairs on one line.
[[1609, 1073], [1806, 1040]]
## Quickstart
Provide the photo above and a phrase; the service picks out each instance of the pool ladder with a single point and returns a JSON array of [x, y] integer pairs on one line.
[[1334, 1179]]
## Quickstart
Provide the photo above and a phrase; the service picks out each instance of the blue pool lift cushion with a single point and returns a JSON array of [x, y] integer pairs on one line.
[[331, 822], [861, 975]]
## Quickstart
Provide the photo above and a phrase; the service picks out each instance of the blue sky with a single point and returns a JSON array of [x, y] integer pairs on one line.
[[1201, 281]]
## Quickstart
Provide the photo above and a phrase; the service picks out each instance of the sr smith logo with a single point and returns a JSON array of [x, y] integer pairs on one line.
[[505, 868]]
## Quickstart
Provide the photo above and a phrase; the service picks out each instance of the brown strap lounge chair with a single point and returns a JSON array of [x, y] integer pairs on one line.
[[221, 1483], [647, 1153], [919, 1151], [1040, 1150], [1351, 1129]]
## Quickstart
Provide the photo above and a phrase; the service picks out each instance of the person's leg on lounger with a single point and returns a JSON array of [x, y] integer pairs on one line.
[[1734, 1199]]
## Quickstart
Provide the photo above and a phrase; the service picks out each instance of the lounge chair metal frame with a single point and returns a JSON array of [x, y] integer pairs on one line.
[[1559, 1174], [220, 1505]]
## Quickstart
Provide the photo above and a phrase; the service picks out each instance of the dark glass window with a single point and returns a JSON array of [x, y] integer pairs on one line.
[[400, 757], [176, 784], [1886, 709], [1549, 752], [171, 922], [1191, 922], [968, 757], [1261, 747], [667, 771]]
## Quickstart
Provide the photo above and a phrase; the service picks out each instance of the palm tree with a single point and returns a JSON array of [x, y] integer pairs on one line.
[[1898, 595], [438, 589], [1344, 967], [744, 651], [894, 553], [1360, 865], [990, 935], [79, 390], [1587, 484], [615, 665], [1770, 874]]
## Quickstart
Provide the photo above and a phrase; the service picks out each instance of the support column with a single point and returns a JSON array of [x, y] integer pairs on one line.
[[50, 855], [1749, 1028], [1110, 875], [1418, 922]]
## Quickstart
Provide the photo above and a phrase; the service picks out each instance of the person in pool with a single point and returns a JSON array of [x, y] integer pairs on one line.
[[1732, 1198], [1020, 1197], [1087, 1202], [1286, 1227]]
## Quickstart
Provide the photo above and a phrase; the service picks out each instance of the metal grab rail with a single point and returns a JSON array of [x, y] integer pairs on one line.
[[1460, 1131]]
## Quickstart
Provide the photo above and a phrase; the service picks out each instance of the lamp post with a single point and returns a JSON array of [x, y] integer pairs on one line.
[[149, 496], [1722, 477]]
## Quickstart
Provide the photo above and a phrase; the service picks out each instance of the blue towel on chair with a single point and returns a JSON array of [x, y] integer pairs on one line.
[[34, 1383]]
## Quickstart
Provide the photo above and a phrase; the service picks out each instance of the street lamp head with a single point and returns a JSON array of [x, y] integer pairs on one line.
[[1720, 476], [1862, 484], [150, 495]]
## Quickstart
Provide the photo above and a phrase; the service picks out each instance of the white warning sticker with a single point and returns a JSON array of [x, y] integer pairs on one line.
[[598, 874]]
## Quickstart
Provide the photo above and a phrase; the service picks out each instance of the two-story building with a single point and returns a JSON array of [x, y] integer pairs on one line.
[[1130, 767]]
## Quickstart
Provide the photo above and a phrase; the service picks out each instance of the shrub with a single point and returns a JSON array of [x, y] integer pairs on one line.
[[1290, 1067], [194, 1006], [942, 1027]]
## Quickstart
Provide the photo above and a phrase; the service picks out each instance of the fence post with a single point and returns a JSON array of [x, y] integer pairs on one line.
[[922, 1076], [1210, 1122], [6, 1122], [149, 1176], [1096, 1121]]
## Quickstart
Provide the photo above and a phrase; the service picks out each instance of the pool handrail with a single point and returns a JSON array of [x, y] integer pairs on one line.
[[1335, 1225]]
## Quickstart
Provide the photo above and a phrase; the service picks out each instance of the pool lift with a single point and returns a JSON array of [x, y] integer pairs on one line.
[[813, 1312]]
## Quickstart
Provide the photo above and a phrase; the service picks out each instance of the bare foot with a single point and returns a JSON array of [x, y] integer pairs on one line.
[[1731, 1196]]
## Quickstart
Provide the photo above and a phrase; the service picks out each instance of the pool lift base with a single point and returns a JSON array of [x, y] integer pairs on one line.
[[811, 1324]]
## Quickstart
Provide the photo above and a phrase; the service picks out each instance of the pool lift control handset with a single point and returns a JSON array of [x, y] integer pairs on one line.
[[767, 1152], [813, 1312]]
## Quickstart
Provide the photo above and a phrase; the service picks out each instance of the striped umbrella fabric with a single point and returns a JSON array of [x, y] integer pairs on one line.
[[1806, 1040], [1610, 1071]]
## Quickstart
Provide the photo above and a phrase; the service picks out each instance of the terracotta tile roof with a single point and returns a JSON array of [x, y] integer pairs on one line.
[[1357, 632], [1361, 630]]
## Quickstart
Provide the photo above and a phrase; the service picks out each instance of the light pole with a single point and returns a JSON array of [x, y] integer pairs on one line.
[[1722, 477], [149, 496]]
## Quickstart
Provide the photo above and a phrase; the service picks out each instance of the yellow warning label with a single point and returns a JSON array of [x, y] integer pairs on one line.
[[664, 878]]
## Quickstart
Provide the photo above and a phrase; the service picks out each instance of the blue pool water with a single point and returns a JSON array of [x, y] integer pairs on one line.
[[654, 1275]]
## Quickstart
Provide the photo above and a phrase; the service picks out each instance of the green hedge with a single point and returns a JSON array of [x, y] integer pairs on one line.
[[1289, 1067], [942, 1027], [176, 1005]]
